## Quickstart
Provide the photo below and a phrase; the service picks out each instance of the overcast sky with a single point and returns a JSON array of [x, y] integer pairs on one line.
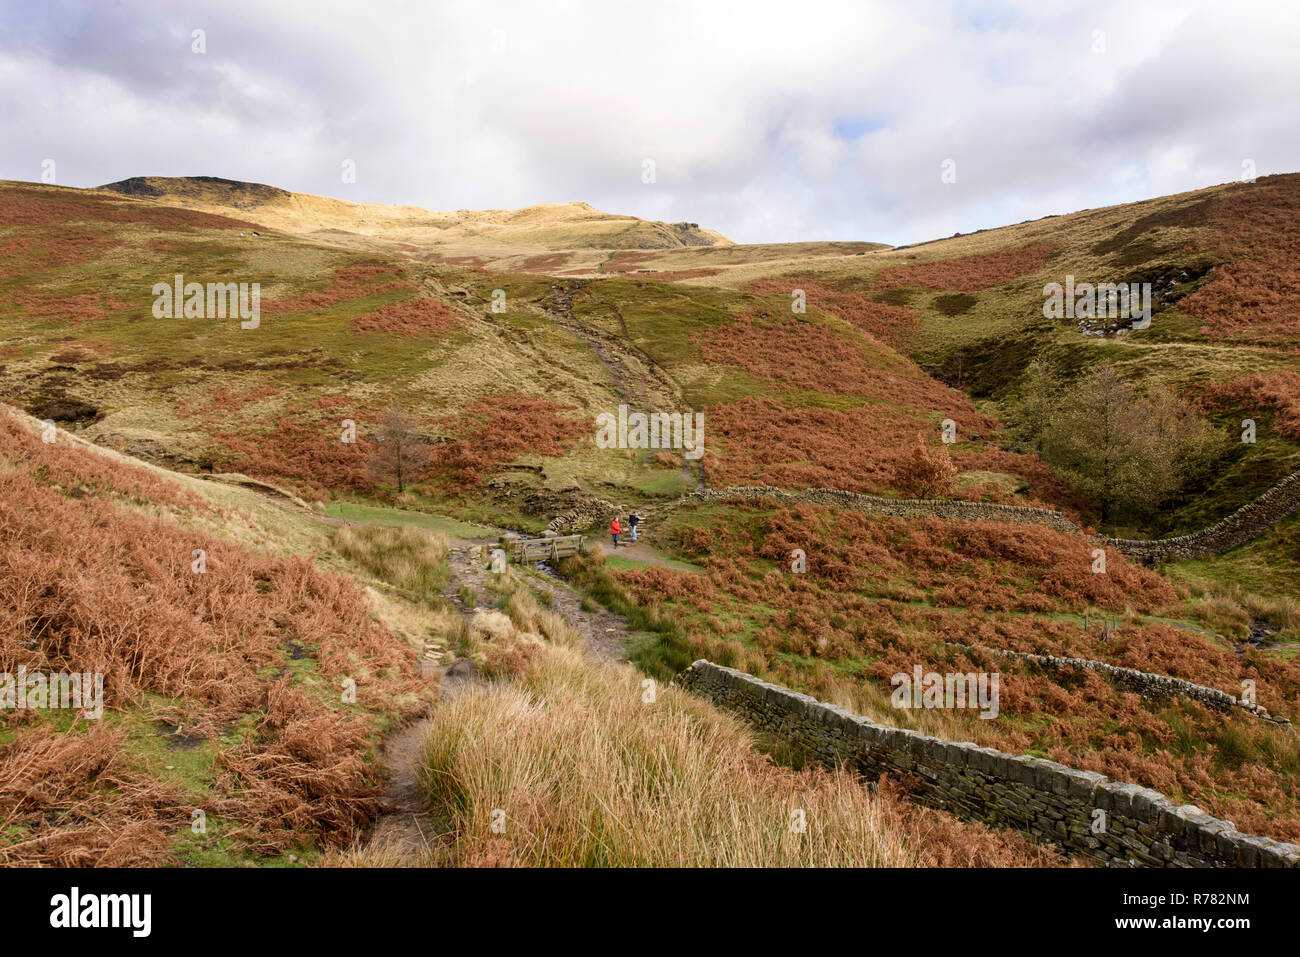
[[769, 121]]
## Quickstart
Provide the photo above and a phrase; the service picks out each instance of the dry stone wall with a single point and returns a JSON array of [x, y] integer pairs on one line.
[[895, 507], [1047, 801], [599, 510], [585, 514], [1241, 526], [1150, 686]]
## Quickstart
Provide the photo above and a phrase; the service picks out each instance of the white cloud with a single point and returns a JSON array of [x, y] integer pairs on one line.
[[768, 121]]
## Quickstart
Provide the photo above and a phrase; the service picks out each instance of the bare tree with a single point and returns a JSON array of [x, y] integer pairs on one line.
[[400, 456]]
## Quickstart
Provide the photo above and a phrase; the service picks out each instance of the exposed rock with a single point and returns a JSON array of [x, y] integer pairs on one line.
[[462, 670]]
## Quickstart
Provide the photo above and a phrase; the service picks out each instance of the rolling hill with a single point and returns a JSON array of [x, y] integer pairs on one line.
[[504, 335], [544, 236]]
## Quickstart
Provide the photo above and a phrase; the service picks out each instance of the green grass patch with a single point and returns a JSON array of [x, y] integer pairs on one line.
[[398, 517]]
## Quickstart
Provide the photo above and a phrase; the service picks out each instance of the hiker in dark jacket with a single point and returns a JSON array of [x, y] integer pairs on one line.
[[633, 520]]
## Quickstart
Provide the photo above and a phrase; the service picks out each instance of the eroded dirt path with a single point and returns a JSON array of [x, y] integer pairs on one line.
[[405, 832], [638, 551], [404, 829], [604, 632]]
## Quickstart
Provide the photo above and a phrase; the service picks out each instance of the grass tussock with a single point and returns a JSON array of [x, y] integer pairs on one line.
[[501, 641], [1230, 608], [410, 558], [881, 596], [569, 765]]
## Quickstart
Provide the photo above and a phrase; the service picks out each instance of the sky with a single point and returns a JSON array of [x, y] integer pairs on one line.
[[782, 121]]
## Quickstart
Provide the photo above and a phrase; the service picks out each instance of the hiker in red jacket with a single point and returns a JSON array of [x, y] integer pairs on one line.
[[614, 529]]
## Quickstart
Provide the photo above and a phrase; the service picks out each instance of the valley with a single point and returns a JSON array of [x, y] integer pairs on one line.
[[899, 466]]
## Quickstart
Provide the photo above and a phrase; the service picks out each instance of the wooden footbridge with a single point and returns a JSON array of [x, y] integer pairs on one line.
[[529, 550]]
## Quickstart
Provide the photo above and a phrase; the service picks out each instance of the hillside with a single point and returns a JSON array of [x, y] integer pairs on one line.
[[504, 341], [969, 310], [564, 232], [255, 656], [222, 735], [342, 336], [891, 342], [943, 330]]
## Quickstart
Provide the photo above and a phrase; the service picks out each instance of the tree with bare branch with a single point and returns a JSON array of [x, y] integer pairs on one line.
[[401, 455]]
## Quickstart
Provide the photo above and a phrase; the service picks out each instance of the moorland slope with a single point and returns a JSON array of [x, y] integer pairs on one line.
[[504, 360]]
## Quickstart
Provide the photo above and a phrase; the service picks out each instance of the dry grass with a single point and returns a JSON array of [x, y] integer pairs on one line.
[[766, 441], [31, 205], [1254, 295], [411, 558], [808, 355], [90, 583], [892, 325], [355, 281], [881, 595], [546, 227], [589, 773], [577, 770], [370, 853], [301, 450], [499, 429], [74, 799], [1278, 391], [419, 317], [972, 273]]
